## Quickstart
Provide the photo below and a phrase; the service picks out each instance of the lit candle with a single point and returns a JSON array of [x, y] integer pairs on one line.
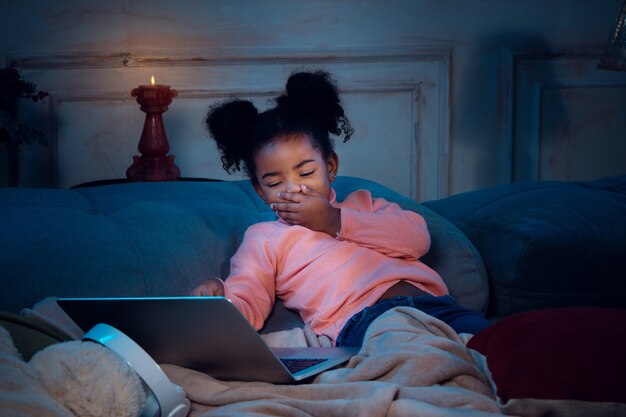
[[154, 95], [153, 164]]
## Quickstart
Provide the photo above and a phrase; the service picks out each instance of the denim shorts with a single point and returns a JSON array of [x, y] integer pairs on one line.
[[461, 319]]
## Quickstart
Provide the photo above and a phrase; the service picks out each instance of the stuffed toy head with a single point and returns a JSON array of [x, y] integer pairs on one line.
[[68, 379]]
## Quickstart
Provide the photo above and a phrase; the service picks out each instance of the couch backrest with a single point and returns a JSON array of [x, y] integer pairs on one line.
[[154, 239]]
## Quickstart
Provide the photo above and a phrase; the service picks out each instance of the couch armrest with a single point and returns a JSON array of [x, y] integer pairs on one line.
[[547, 244]]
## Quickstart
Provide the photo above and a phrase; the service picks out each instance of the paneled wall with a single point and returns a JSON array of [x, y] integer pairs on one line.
[[444, 96], [397, 101]]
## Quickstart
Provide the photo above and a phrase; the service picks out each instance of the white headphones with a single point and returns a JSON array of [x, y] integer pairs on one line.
[[164, 399]]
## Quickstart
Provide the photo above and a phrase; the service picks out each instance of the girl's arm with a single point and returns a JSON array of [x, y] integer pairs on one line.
[[250, 284], [383, 226]]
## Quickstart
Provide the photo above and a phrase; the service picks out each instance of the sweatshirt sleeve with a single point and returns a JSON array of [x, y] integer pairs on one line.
[[251, 282], [383, 226]]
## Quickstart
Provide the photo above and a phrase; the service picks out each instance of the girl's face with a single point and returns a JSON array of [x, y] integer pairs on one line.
[[288, 163]]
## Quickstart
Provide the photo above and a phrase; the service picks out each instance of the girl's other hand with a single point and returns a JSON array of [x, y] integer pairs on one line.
[[209, 287]]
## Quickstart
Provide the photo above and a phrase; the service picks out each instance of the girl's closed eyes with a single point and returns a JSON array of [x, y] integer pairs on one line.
[[302, 175]]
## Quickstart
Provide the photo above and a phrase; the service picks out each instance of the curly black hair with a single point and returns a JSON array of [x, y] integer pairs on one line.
[[310, 105]]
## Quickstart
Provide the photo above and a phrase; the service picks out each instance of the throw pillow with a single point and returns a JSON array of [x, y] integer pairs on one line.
[[574, 353]]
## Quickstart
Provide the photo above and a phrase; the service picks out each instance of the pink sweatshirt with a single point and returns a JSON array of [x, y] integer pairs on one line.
[[328, 279]]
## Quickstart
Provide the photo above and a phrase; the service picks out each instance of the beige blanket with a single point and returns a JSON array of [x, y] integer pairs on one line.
[[411, 364]]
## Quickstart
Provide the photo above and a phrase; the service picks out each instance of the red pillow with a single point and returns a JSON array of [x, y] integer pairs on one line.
[[570, 353]]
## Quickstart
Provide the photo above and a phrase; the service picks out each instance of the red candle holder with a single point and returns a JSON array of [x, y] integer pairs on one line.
[[153, 164]]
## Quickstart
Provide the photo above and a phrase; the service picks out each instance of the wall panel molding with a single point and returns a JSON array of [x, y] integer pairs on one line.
[[537, 88], [190, 57]]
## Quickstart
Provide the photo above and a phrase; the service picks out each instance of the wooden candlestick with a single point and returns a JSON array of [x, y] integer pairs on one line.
[[153, 164]]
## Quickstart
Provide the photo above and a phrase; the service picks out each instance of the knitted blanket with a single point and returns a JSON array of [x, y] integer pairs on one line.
[[411, 364]]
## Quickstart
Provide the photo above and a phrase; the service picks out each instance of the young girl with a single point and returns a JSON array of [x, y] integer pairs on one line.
[[339, 264]]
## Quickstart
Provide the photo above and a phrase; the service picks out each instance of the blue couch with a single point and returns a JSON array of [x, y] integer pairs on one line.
[[502, 250]]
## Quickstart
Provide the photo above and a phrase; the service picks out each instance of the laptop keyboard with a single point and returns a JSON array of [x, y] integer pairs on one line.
[[296, 365]]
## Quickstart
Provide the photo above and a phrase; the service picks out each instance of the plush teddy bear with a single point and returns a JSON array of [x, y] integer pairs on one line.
[[68, 379]]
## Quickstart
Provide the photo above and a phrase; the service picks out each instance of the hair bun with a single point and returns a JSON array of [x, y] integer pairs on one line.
[[312, 98], [232, 125], [312, 88]]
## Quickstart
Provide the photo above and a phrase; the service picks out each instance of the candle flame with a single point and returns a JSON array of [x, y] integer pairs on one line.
[[152, 82]]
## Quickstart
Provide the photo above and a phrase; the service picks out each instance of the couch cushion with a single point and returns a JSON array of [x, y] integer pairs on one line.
[[547, 244], [132, 239], [53, 250]]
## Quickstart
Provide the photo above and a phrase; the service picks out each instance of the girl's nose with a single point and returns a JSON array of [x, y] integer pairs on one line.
[[293, 187]]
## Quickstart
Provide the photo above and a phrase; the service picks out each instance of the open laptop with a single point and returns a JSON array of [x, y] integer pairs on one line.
[[207, 334]]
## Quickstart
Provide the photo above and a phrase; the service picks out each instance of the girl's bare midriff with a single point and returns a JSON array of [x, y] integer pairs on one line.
[[402, 288]]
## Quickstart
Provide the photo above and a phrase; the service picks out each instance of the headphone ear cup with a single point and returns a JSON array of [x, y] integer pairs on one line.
[[163, 398]]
